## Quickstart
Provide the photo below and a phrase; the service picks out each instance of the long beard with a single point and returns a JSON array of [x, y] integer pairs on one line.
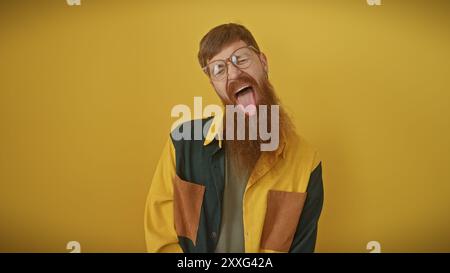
[[245, 153]]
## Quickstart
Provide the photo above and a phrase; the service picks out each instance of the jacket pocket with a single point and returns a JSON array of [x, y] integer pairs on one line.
[[187, 202], [281, 220]]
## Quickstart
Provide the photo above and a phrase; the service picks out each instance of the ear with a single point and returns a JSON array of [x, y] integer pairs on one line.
[[264, 62]]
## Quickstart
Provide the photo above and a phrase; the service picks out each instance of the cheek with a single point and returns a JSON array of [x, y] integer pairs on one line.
[[257, 73], [220, 89]]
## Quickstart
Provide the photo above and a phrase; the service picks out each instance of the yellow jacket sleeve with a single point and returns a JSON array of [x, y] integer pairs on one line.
[[160, 234]]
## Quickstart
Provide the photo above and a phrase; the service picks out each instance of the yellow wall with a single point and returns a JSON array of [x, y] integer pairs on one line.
[[86, 94]]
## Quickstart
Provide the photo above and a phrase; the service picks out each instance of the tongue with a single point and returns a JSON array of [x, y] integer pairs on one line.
[[246, 102]]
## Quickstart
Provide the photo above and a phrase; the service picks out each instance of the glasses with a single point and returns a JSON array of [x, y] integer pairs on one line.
[[241, 58]]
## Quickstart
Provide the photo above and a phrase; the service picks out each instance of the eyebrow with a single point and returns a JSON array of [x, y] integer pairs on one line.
[[218, 59], [223, 59]]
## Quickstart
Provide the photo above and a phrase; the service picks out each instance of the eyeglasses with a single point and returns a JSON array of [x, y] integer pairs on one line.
[[241, 58]]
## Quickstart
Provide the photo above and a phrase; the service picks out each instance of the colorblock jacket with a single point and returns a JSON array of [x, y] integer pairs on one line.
[[281, 206]]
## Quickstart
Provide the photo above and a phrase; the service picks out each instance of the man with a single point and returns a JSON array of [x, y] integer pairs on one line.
[[217, 194]]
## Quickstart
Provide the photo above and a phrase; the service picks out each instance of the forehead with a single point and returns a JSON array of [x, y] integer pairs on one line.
[[228, 50]]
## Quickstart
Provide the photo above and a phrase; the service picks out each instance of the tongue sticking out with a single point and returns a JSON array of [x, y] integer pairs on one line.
[[246, 101]]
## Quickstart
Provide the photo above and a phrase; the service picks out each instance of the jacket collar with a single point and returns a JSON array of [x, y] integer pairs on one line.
[[214, 132]]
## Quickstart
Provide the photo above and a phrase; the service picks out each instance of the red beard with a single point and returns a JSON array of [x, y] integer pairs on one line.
[[245, 153]]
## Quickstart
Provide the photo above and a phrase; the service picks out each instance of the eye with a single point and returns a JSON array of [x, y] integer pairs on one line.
[[240, 60], [217, 69]]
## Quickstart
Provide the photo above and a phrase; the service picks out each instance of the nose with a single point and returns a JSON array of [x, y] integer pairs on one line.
[[233, 71]]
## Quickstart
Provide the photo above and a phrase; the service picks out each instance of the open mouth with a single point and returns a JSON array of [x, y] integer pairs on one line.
[[245, 96]]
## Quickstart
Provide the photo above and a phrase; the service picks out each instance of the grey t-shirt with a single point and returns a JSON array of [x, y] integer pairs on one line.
[[231, 234]]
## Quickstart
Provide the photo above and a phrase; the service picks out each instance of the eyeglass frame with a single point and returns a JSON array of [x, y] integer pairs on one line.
[[228, 60]]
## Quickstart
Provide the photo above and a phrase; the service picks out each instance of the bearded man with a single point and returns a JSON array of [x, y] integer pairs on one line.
[[224, 193]]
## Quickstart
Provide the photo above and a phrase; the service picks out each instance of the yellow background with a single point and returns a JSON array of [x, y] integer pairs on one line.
[[86, 93]]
